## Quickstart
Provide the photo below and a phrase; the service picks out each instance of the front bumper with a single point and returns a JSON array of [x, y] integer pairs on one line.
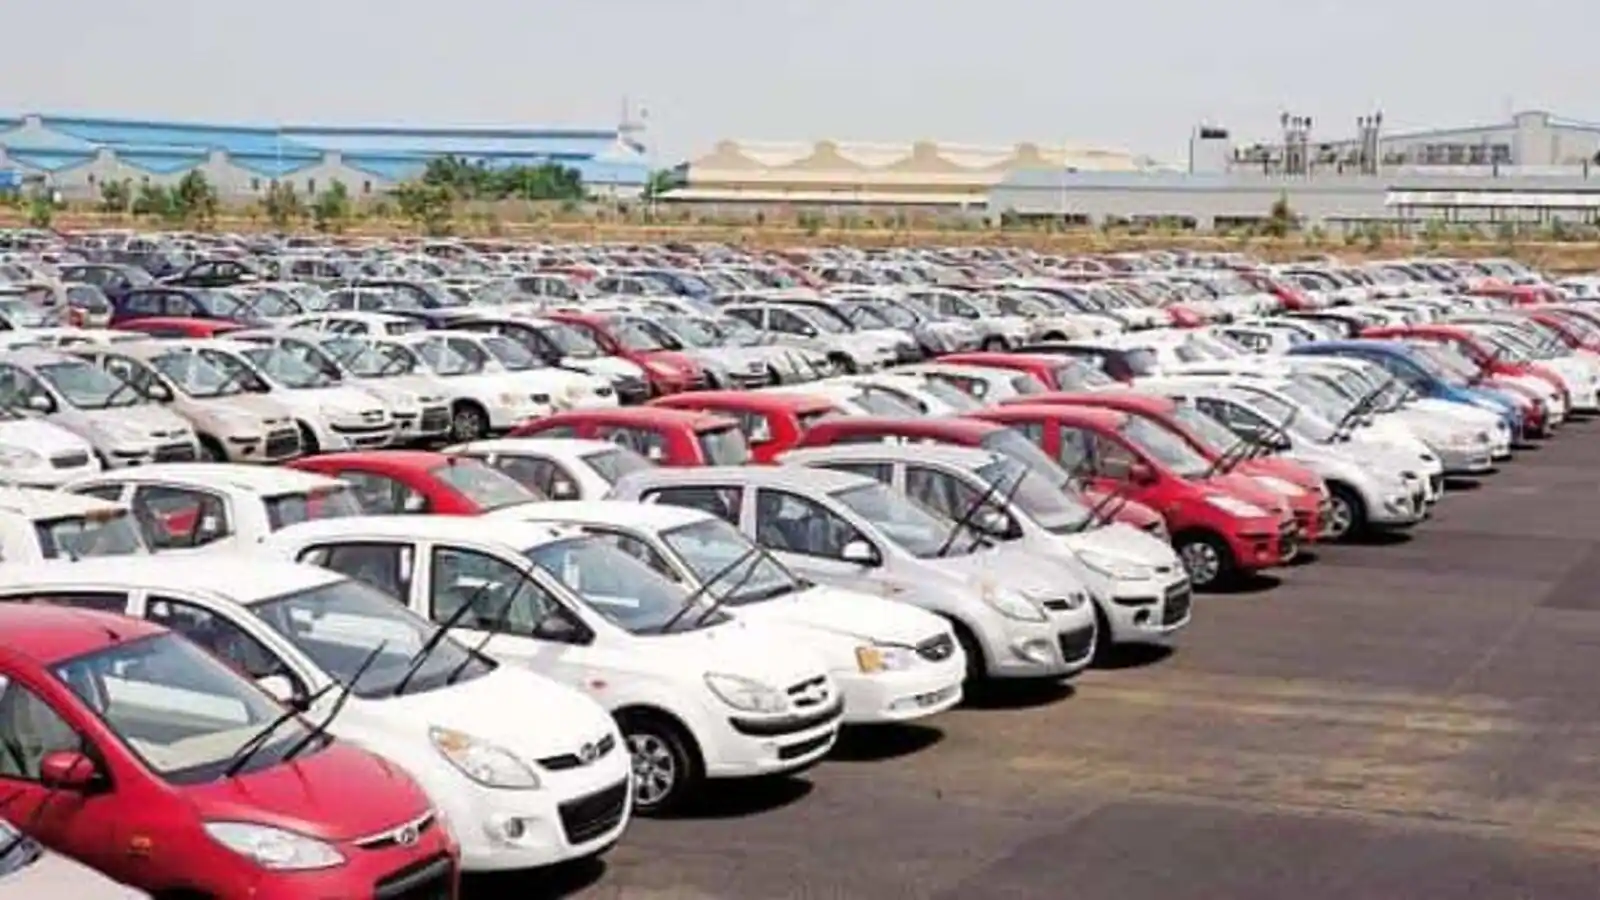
[[1464, 461], [1062, 645], [1263, 544], [901, 696], [574, 814], [745, 747], [1147, 610], [356, 436]]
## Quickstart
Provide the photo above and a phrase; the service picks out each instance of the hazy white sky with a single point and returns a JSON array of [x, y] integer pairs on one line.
[[1130, 73]]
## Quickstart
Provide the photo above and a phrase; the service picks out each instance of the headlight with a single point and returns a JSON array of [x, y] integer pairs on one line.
[[19, 458], [1235, 506], [1280, 486], [1114, 567], [1011, 604], [872, 658], [274, 848], [745, 694], [483, 762]]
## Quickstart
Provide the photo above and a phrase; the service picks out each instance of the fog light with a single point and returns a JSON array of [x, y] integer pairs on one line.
[[1142, 617], [1035, 650]]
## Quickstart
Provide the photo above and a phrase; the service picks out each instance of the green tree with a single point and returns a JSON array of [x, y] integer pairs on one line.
[[41, 208], [661, 182], [116, 197], [331, 210], [430, 206], [282, 205], [1280, 219], [153, 200], [194, 200]]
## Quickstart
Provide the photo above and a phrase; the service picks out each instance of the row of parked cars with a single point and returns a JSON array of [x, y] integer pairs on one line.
[[373, 666]]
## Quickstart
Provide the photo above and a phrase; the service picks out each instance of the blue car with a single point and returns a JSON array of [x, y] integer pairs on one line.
[[1421, 375]]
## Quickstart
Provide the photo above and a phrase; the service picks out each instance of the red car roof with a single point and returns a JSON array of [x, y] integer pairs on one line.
[[953, 430], [189, 323], [1007, 360], [746, 400], [50, 634], [1136, 401], [1088, 416], [377, 459]]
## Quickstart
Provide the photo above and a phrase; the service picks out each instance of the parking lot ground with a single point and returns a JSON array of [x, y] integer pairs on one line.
[[1413, 718]]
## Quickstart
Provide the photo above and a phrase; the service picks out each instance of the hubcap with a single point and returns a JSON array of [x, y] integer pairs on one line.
[[1202, 561], [1340, 517], [655, 772], [466, 425]]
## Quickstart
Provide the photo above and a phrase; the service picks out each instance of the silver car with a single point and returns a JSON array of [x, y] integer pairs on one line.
[[30, 872], [1017, 614]]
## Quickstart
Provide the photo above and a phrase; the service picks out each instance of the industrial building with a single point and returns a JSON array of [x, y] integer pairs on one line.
[[75, 155]]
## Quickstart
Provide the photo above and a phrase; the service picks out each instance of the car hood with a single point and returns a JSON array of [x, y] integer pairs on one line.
[[310, 795], [608, 366], [674, 358], [1460, 412], [263, 410], [340, 400], [848, 614], [1251, 491], [135, 424], [1125, 543], [1012, 567], [478, 707], [41, 437]]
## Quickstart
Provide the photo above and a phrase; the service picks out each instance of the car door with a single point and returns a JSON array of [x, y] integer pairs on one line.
[[174, 518], [805, 535]]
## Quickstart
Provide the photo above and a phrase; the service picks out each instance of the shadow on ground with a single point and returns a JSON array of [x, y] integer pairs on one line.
[[877, 743]]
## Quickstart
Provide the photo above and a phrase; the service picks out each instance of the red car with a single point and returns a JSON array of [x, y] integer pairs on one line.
[[964, 432], [644, 343], [114, 754], [666, 437], [1475, 348], [1222, 525], [178, 327], [772, 421], [1192, 426], [397, 482], [1576, 332]]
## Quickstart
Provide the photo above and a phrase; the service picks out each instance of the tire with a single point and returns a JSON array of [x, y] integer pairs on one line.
[[1206, 557], [468, 422], [994, 344], [1347, 514], [844, 363], [308, 440], [1102, 635], [211, 450], [773, 378], [977, 664], [666, 764], [1054, 336]]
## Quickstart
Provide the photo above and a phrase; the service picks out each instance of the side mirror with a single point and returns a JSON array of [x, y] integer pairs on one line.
[[564, 490], [1142, 473], [282, 690], [560, 629], [808, 331], [861, 553], [68, 770], [1282, 444], [41, 403], [992, 522], [158, 392]]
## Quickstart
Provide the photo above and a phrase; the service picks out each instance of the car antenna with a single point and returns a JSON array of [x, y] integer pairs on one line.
[[320, 728]]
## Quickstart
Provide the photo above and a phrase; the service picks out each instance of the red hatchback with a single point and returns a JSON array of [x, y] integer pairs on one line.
[[140, 754], [772, 421], [666, 437], [643, 343], [177, 327], [404, 482]]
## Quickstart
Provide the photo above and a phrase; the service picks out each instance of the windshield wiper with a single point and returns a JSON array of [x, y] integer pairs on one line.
[[321, 728], [717, 599], [705, 587], [499, 618], [1103, 511], [437, 638], [251, 747], [965, 520]]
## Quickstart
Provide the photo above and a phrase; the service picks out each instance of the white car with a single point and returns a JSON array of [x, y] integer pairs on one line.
[[565, 388], [330, 415], [37, 453], [184, 507], [892, 661], [483, 399], [30, 872], [558, 468], [697, 693], [529, 772], [36, 525]]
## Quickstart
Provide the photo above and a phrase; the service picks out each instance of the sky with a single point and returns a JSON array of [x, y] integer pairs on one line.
[[1130, 74]]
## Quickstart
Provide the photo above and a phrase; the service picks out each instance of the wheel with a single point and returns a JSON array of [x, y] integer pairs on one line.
[[468, 422], [1207, 558], [994, 344], [211, 450], [977, 666], [666, 769], [1347, 515], [773, 378], [1102, 635], [844, 364], [308, 440]]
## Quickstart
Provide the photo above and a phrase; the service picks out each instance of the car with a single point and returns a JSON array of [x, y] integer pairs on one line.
[[1139, 587], [179, 327], [411, 482], [668, 437], [1490, 360], [667, 370], [231, 422], [123, 426], [498, 749], [1120, 363], [28, 871], [558, 468], [891, 661], [216, 506], [483, 400], [696, 693], [38, 453], [366, 324], [561, 346], [1051, 371], [816, 331], [771, 421], [1016, 615], [177, 303], [1222, 525], [37, 525], [217, 787]]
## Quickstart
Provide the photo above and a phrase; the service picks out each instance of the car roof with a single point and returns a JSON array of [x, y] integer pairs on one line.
[[507, 530], [240, 577], [260, 479], [648, 516], [946, 454], [564, 448], [409, 459], [37, 356], [38, 503], [906, 425], [787, 477], [50, 634], [1088, 415], [967, 369]]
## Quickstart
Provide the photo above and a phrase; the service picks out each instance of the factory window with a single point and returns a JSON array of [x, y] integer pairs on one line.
[[91, 179], [311, 185], [366, 187], [255, 184]]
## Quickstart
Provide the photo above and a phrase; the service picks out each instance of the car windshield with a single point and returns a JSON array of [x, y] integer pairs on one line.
[[112, 532], [708, 547], [1301, 419], [16, 851], [831, 323], [613, 463], [88, 387], [510, 354], [1165, 446], [221, 305], [23, 314], [637, 336], [1045, 503], [338, 624], [196, 376], [724, 446], [628, 593], [574, 342], [368, 360], [1213, 434], [286, 368], [1010, 443], [294, 507], [181, 710], [691, 332], [1321, 399], [949, 395], [865, 316], [445, 360], [916, 529], [1077, 378], [876, 401], [486, 487]]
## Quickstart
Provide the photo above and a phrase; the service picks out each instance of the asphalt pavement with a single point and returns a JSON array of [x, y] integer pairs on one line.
[[1408, 718]]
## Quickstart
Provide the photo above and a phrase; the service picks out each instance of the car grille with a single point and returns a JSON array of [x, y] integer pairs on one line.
[[1075, 645], [435, 418], [937, 649], [404, 836], [183, 452], [809, 693], [1179, 598], [750, 380], [805, 747], [69, 460], [432, 879], [589, 754], [282, 443], [1057, 604], [586, 818], [632, 390]]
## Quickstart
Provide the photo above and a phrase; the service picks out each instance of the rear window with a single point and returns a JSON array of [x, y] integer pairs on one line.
[[284, 510], [1027, 384], [724, 447], [615, 463], [113, 533], [486, 487]]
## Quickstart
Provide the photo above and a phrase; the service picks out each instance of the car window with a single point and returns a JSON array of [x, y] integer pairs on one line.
[[30, 729], [103, 491], [223, 637], [976, 388], [385, 566], [941, 492], [651, 445], [1111, 459], [1074, 452], [636, 548], [501, 597], [103, 601], [795, 524], [172, 518], [559, 431], [722, 502], [380, 495], [546, 476], [877, 471]]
